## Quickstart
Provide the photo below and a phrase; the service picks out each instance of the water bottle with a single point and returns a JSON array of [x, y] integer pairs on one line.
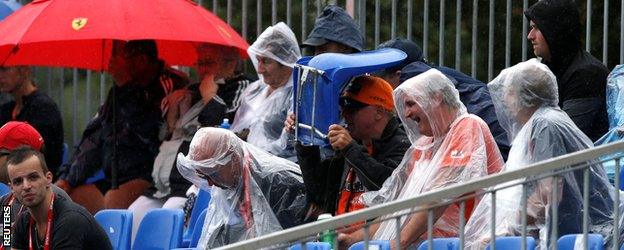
[[328, 235], [225, 124]]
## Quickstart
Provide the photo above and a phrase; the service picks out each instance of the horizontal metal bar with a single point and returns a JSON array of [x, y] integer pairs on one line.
[[316, 131], [301, 231]]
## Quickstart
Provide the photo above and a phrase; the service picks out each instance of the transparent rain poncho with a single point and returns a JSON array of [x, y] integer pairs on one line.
[[253, 193], [458, 147], [615, 112], [525, 97], [261, 113]]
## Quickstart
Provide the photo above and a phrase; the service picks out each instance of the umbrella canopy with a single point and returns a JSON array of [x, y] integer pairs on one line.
[[7, 7], [79, 33]]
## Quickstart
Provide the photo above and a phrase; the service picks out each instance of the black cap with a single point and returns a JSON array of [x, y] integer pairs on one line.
[[334, 24], [413, 51]]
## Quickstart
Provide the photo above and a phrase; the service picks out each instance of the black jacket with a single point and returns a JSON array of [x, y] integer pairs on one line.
[[581, 78], [41, 112], [323, 179], [126, 129]]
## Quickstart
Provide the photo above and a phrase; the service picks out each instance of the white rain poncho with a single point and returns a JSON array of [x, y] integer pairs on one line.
[[254, 193], [525, 97], [458, 147], [261, 113]]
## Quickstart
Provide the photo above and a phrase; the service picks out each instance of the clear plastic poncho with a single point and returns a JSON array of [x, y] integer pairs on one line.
[[615, 97], [615, 112], [458, 147], [261, 113], [253, 193], [525, 97]]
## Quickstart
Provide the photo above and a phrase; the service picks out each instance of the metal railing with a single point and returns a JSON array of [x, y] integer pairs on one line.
[[545, 169], [453, 33]]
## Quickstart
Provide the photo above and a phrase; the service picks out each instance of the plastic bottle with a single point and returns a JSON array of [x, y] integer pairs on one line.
[[225, 124], [329, 235]]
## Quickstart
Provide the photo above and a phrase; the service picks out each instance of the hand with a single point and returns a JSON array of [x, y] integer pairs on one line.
[[208, 88], [289, 124], [63, 184], [345, 241], [339, 137]]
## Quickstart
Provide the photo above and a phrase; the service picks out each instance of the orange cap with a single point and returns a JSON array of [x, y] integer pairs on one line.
[[372, 91]]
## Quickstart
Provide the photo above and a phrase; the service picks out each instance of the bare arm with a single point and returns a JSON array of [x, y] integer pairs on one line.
[[416, 226]]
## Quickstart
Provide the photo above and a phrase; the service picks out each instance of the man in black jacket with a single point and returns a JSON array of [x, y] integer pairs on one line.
[[366, 152], [32, 106], [581, 78], [122, 139]]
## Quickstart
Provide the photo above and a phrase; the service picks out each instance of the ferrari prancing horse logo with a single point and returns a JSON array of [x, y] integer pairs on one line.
[[79, 22]]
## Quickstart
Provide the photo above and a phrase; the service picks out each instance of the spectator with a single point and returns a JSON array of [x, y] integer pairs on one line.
[[32, 106], [58, 222], [253, 193], [335, 31], [231, 89], [266, 102], [526, 99], [472, 92], [124, 134], [367, 149], [190, 108], [414, 54], [581, 78], [14, 135], [449, 146]]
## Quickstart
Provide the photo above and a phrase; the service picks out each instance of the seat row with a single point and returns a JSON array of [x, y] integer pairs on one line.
[[159, 229], [566, 242]]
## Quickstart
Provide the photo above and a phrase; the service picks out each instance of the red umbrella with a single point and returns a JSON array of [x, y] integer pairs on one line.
[[79, 33]]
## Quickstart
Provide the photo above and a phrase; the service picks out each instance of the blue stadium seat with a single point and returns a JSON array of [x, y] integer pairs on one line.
[[312, 246], [197, 231], [99, 175], [380, 244], [201, 203], [594, 241], [622, 179], [4, 189], [513, 243], [160, 229], [118, 226], [441, 244]]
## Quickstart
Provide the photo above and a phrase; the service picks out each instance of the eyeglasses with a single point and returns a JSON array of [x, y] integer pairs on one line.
[[349, 105], [4, 152]]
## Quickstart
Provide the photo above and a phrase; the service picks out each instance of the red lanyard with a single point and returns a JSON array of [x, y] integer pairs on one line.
[[246, 212], [46, 245]]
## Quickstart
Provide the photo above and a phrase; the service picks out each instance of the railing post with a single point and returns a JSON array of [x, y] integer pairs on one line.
[[491, 43], [430, 228], [585, 205], [398, 232], [523, 202], [462, 223], [458, 16], [493, 222], [441, 34], [616, 207], [554, 205], [425, 45], [475, 27]]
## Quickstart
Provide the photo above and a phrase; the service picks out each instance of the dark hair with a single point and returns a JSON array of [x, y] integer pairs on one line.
[[142, 47], [21, 154]]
